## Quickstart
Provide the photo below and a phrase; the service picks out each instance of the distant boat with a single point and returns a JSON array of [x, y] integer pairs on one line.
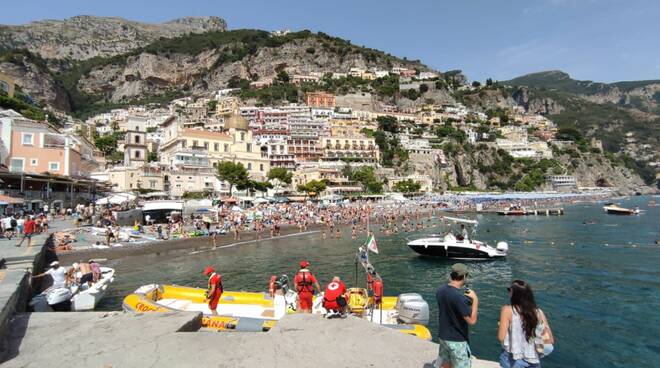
[[615, 209], [513, 211]]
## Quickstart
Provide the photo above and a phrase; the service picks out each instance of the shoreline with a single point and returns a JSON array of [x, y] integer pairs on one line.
[[205, 243]]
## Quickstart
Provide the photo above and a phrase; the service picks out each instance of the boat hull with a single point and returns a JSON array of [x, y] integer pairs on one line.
[[452, 252]]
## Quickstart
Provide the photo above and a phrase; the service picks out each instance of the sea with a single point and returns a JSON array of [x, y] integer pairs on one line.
[[596, 276]]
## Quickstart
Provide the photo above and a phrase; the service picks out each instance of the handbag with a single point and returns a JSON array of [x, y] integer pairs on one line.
[[542, 339]]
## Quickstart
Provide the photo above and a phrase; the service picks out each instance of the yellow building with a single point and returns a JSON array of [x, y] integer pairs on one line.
[[197, 148], [354, 149]]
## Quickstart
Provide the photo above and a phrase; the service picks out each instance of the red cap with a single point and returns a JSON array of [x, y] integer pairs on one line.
[[208, 270], [304, 264]]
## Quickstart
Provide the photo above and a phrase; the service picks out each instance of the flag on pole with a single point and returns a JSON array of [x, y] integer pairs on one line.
[[371, 244]]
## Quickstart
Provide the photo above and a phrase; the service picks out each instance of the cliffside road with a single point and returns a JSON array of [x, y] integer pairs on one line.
[[130, 340]]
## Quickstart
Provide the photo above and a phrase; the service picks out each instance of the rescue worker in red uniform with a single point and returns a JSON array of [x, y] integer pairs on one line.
[[335, 298], [375, 286], [214, 289], [304, 281]]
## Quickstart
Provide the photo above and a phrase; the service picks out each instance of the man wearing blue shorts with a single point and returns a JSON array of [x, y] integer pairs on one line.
[[456, 310]]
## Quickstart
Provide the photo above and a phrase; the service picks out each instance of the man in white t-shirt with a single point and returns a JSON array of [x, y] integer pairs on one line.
[[57, 273]]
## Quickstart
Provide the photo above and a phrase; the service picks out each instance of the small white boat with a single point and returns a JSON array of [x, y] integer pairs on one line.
[[89, 298], [615, 209], [74, 298]]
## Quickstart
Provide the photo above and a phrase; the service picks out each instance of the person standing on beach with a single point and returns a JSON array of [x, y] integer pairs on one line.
[[29, 228], [456, 310], [304, 280], [214, 289]]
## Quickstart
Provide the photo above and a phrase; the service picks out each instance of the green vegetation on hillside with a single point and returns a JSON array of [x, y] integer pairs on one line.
[[561, 81]]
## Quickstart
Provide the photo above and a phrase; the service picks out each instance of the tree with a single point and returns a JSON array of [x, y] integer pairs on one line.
[[152, 156], [476, 84], [407, 186], [423, 88], [280, 174], [489, 82], [260, 186], [234, 174], [387, 123], [313, 187], [282, 77], [367, 177]]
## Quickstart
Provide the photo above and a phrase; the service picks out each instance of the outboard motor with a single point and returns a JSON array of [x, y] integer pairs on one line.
[[503, 246], [412, 309]]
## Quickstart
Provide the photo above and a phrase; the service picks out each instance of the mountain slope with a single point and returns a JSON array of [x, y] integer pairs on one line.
[[190, 64], [642, 95], [84, 37]]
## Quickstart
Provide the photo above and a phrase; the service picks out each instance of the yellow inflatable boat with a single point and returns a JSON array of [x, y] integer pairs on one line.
[[249, 311]]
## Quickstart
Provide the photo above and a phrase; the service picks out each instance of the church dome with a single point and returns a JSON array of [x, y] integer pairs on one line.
[[236, 121]]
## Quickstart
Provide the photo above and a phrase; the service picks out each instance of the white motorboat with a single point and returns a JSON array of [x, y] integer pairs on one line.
[[75, 298], [89, 297], [615, 209], [458, 246]]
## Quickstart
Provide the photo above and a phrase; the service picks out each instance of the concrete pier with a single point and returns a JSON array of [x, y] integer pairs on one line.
[[118, 339]]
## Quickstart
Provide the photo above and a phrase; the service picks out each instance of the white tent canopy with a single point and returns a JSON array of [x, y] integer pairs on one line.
[[117, 198]]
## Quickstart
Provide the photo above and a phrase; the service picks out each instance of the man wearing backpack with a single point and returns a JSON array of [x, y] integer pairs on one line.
[[303, 281]]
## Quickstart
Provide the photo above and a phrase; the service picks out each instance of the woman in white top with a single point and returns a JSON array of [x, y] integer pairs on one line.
[[518, 328]]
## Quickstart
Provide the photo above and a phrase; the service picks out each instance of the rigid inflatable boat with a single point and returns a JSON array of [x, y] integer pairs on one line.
[[250, 311]]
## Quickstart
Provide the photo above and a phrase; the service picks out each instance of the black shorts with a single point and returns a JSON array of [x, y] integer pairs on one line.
[[88, 277], [28, 236], [341, 301]]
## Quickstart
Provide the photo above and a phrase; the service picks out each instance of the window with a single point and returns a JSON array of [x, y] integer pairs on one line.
[[206, 145], [16, 164], [226, 147], [261, 167], [249, 166], [242, 136], [137, 139], [184, 143], [27, 139], [216, 147], [249, 147], [53, 166], [152, 184], [34, 162], [137, 154], [195, 143]]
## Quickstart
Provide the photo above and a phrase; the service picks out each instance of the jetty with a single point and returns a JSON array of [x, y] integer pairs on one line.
[[531, 212]]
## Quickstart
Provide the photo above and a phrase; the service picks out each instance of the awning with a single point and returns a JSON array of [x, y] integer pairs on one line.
[[5, 199]]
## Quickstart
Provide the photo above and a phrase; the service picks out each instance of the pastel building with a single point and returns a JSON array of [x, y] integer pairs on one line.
[[36, 147]]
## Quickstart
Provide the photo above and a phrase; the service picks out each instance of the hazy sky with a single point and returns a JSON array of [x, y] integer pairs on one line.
[[602, 40]]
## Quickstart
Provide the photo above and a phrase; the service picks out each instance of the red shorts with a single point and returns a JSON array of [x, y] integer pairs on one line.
[[213, 301], [306, 300], [330, 305]]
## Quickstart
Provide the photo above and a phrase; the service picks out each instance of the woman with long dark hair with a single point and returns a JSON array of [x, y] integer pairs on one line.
[[519, 327]]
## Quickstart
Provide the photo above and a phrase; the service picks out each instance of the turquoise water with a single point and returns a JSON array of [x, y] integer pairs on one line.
[[599, 284]]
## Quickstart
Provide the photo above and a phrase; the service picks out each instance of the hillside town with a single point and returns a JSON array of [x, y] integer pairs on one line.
[[329, 146]]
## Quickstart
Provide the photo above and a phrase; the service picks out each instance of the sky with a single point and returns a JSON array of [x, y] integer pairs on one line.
[[600, 40]]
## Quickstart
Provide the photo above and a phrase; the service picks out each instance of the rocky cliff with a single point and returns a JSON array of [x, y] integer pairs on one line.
[[84, 37]]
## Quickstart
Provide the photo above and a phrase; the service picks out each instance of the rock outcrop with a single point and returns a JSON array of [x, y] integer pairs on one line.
[[536, 105], [84, 37]]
